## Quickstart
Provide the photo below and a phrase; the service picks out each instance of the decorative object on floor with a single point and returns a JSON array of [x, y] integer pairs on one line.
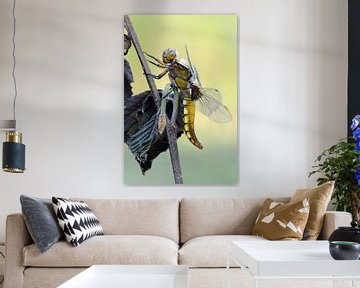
[[77, 220], [2, 276], [351, 233], [279, 221], [319, 198], [183, 42], [341, 163], [344, 250], [13, 149], [41, 221]]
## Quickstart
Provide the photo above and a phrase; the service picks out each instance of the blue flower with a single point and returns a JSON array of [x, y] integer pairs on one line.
[[357, 176], [357, 147], [356, 134], [355, 122]]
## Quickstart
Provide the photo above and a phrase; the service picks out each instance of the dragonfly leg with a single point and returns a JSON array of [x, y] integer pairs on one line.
[[157, 65], [162, 74], [154, 58]]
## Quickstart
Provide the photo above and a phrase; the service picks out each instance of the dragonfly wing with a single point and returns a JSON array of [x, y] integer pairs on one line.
[[196, 78], [210, 104], [195, 75]]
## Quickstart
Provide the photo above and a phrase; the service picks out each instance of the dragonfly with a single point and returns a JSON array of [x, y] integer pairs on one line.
[[185, 84]]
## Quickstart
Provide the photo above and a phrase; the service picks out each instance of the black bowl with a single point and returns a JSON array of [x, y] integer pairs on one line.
[[344, 250]]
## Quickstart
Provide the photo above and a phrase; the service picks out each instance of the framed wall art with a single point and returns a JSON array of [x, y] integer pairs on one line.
[[180, 99]]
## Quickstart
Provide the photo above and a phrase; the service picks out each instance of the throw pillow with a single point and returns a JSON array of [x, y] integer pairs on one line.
[[77, 220], [319, 198], [41, 222], [279, 221]]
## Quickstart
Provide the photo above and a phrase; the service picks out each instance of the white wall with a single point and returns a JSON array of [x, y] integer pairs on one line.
[[292, 102]]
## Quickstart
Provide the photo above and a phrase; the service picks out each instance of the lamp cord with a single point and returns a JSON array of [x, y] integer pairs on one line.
[[14, 61]]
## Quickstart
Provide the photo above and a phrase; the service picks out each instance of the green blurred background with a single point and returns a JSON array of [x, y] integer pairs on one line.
[[212, 44]]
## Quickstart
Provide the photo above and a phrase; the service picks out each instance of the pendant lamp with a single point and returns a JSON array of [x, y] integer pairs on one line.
[[13, 158]]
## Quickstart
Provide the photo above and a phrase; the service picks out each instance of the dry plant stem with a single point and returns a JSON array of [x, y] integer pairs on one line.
[[171, 132]]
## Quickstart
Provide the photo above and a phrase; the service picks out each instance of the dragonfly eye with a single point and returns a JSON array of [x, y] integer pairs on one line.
[[169, 55]]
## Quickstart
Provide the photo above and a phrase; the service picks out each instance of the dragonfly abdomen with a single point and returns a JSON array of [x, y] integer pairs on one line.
[[189, 120]]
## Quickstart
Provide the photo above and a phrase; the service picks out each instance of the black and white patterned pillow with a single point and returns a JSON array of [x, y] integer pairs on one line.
[[77, 220]]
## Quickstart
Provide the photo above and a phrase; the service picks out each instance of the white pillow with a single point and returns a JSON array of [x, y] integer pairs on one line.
[[76, 220]]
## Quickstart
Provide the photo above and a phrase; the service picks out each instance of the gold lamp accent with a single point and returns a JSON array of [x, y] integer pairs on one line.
[[14, 136]]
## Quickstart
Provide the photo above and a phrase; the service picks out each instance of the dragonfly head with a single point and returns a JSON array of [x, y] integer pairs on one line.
[[169, 56]]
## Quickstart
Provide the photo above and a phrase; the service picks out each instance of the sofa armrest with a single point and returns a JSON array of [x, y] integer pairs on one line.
[[17, 237], [333, 220]]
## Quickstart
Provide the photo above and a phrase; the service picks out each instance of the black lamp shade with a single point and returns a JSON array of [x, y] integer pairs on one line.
[[13, 155]]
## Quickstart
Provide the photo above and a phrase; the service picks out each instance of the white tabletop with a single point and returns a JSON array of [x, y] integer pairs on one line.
[[291, 259], [131, 276]]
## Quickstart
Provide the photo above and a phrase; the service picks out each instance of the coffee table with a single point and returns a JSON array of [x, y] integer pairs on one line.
[[293, 260], [131, 276]]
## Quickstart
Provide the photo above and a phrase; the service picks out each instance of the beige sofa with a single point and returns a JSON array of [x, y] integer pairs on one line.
[[194, 232]]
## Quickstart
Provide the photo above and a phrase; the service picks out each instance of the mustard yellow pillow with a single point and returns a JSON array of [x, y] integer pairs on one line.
[[319, 198], [279, 221]]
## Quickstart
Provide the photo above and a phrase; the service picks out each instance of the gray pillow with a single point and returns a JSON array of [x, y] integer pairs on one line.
[[41, 221]]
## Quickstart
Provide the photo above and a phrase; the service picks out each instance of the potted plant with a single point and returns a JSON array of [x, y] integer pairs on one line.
[[341, 163]]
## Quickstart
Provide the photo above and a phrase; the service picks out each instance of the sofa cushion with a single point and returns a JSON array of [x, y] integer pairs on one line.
[[200, 217], [41, 221], [211, 251], [279, 221], [107, 249], [158, 217], [319, 198], [77, 220]]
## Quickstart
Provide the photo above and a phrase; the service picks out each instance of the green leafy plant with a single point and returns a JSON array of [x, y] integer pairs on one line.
[[341, 163]]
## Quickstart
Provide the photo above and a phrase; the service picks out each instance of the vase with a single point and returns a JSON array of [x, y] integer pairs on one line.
[[344, 250]]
